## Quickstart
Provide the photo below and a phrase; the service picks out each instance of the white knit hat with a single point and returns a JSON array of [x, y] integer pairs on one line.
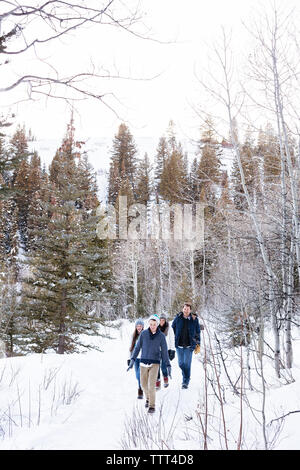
[[154, 317]]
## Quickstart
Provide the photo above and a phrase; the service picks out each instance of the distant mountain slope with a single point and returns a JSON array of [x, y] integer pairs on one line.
[[98, 151]]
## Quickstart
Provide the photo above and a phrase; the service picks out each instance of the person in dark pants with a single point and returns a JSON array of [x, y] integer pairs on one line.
[[139, 326], [187, 337], [167, 330]]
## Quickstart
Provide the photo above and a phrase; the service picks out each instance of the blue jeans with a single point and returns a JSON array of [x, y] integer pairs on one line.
[[137, 371], [184, 361]]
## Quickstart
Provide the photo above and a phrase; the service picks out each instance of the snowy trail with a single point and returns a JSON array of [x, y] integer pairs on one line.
[[108, 396], [38, 409]]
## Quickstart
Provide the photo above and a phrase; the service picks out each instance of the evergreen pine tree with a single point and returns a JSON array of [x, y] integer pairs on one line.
[[123, 163], [15, 176], [69, 267], [224, 210], [209, 173], [26, 183], [161, 156], [268, 148], [38, 211], [18, 152], [2, 223], [5, 190], [194, 182], [174, 184], [143, 186], [12, 321], [249, 165]]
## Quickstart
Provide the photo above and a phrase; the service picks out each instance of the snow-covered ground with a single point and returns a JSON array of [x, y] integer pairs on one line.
[[89, 401]]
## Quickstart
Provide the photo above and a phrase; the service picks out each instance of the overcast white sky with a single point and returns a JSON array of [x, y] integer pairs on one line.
[[146, 105]]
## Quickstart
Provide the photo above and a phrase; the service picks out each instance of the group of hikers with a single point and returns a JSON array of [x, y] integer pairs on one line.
[[154, 348]]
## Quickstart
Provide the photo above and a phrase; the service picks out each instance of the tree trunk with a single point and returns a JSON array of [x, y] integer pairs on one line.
[[192, 273], [62, 326], [289, 312], [134, 264]]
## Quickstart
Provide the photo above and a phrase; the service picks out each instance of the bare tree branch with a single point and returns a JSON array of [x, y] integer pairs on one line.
[[25, 27]]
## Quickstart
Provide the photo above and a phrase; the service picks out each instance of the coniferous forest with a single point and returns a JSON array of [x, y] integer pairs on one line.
[[59, 279], [74, 266]]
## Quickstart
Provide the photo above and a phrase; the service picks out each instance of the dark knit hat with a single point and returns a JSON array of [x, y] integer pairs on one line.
[[139, 322]]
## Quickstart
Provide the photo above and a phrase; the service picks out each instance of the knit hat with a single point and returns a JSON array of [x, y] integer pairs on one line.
[[164, 316], [139, 322], [154, 317]]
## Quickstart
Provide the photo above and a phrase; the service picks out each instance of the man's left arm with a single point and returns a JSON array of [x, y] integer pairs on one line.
[[164, 351]]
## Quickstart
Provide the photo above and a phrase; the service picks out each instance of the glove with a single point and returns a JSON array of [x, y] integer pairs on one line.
[[131, 362], [169, 369], [197, 349], [171, 354]]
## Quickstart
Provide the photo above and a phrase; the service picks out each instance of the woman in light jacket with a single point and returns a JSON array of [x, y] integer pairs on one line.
[[139, 326]]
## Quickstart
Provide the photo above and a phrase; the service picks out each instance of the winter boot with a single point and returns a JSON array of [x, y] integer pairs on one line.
[[166, 382], [151, 409], [147, 404], [140, 394], [157, 386]]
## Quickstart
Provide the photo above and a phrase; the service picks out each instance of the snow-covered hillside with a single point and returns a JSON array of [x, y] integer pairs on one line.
[[88, 401], [98, 149], [99, 153]]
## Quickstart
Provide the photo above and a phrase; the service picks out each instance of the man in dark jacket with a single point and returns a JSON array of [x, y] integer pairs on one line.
[[154, 348], [187, 336]]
